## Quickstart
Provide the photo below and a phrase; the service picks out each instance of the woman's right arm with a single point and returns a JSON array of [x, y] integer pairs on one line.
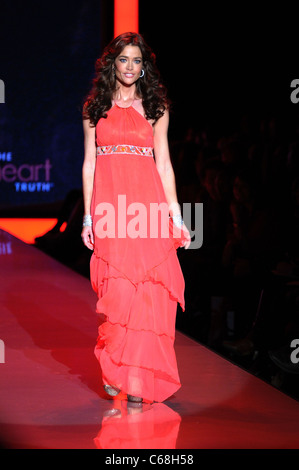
[[88, 171]]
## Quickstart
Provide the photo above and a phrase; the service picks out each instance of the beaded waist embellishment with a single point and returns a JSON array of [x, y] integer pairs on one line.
[[129, 149]]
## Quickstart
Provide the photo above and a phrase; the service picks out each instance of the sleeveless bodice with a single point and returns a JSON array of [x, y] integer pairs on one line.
[[124, 126]]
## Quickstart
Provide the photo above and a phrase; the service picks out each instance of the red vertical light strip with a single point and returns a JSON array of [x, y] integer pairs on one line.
[[126, 16]]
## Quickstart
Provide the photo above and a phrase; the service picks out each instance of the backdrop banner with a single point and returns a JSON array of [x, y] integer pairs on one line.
[[48, 52]]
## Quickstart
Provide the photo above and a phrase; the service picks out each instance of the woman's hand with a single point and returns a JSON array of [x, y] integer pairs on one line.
[[87, 237], [187, 241]]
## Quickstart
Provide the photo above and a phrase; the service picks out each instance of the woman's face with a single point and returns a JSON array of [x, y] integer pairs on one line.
[[128, 65]]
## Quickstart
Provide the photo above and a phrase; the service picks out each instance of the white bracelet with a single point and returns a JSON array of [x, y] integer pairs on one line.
[[87, 221], [177, 220]]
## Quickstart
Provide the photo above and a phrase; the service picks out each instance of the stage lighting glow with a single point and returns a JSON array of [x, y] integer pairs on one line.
[[27, 229], [126, 16]]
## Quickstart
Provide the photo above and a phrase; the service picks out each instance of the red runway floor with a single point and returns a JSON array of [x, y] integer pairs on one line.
[[51, 394]]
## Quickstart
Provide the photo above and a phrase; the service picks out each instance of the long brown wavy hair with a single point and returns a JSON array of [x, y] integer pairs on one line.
[[149, 88]]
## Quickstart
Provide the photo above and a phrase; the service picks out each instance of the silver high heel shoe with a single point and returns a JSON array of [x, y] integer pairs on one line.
[[112, 391], [134, 399]]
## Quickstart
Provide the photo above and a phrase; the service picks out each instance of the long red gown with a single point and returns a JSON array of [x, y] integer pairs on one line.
[[138, 280]]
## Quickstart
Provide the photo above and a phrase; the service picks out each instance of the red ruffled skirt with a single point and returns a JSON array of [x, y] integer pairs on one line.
[[135, 345]]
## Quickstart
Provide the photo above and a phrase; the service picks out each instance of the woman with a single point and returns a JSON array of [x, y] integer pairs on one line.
[[134, 267]]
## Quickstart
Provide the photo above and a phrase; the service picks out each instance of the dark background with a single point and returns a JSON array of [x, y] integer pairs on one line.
[[220, 62]]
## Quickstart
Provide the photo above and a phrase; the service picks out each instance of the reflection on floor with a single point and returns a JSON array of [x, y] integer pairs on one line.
[[51, 394]]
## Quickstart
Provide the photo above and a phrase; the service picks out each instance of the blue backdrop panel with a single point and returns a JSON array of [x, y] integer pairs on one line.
[[48, 51]]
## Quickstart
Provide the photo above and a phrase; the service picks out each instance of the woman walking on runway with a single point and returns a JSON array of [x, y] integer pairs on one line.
[[136, 274]]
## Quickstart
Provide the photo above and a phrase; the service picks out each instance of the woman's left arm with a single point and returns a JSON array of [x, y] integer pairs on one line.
[[165, 169]]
